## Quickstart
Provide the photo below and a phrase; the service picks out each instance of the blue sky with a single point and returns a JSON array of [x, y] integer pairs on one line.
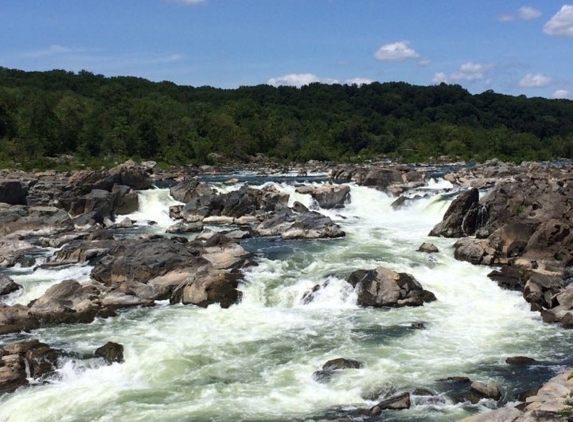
[[512, 47]]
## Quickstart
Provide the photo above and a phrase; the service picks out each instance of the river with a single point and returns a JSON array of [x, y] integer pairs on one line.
[[255, 361]]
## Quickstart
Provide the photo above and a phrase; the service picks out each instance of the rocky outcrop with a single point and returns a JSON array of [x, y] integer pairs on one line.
[[306, 225], [390, 178], [463, 217], [19, 359], [552, 402], [7, 285], [399, 402], [382, 287], [327, 196], [32, 360]]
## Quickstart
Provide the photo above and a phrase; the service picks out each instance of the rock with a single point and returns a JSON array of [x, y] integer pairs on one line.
[[131, 174], [506, 414], [126, 200], [16, 318], [308, 225], [489, 391], [341, 363], [510, 278], [428, 248], [24, 358], [399, 402], [386, 288], [67, 302], [143, 259], [7, 285], [207, 288], [197, 194], [461, 218], [540, 290], [111, 352], [184, 227], [14, 192], [327, 196], [333, 365], [520, 360]]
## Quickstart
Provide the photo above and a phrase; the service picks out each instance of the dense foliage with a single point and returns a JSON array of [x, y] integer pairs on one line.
[[46, 114]]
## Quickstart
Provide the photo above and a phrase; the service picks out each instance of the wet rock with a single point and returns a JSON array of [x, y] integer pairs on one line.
[[386, 288], [7, 285], [67, 302], [184, 227], [334, 365], [461, 217], [520, 361], [486, 391], [14, 192], [506, 414], [428, 248], [30, 357], [209, 287], [111, 352], [510, 278], [16, 318], [398, 402], [308, 225], [328, 196], [192, 191]]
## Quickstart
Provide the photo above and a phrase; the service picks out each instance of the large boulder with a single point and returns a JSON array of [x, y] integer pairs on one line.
[[212, 287], [14, 192], [7, 285], [305, 225], [462, 217], [327, 196], [25, 359], [67, 302], [382, 287]]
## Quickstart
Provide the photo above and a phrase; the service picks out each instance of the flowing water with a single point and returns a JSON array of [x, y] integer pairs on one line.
[[255, 361]]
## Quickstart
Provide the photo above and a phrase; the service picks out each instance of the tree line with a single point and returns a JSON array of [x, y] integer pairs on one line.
[[97, 119]]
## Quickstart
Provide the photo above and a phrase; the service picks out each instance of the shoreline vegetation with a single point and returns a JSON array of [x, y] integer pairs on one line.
[[63, 120]]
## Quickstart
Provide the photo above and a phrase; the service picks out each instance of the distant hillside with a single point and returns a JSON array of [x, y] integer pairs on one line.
[[46, 114]]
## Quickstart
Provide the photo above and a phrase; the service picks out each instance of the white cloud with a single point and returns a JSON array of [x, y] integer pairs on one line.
[[561, 24], [524, 13], [527, 13], [535, 81], [561, 93], [471, 71], [439, 78], [299, 79], [396, 52], [467, 72], [358, 81]]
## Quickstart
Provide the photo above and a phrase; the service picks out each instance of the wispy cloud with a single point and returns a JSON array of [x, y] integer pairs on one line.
[[562, 94], [58, 56], [396, 52], [53, 50], [467, 72], [300, 79], [561, 24], [534, 81], [523, 13]]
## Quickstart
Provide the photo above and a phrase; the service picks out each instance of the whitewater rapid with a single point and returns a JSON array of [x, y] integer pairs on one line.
[[255, 360]]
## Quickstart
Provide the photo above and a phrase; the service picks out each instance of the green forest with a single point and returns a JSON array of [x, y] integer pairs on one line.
[[99, 119]]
